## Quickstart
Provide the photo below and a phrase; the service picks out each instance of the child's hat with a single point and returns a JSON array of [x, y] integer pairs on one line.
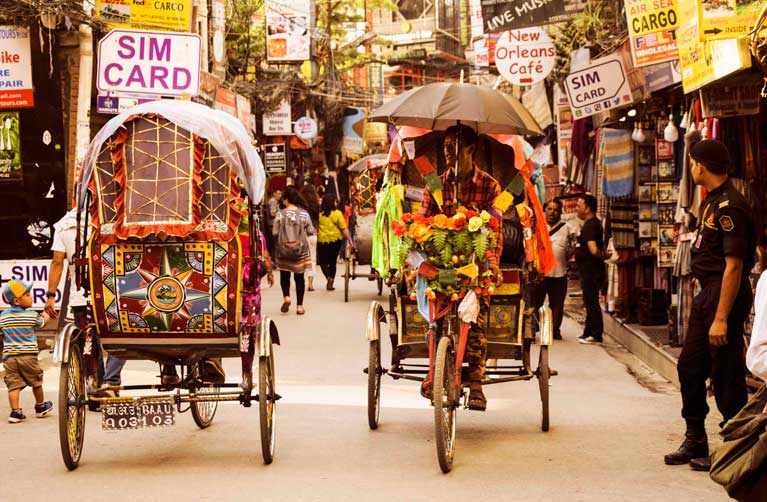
[[14, 289]]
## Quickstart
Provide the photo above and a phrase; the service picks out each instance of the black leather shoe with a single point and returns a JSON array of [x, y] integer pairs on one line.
[[702, 464], [692, 448]]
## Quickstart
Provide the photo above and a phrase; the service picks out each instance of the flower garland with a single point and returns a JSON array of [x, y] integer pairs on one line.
[[450, 252]]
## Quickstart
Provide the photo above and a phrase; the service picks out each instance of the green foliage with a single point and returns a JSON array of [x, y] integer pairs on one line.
[[446, 253], [480, 244], [462, 242], [439, 238]]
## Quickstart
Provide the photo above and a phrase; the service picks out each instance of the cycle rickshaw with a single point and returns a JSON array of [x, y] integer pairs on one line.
[[171, 266], [428, 331], [364, 176]]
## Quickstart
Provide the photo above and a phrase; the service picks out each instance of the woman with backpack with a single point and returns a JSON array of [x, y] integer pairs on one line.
[[312, 199], [292, 226], [331, 233]]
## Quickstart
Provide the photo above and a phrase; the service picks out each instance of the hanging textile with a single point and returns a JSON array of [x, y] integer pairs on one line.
[[389, 209], [616, 154]]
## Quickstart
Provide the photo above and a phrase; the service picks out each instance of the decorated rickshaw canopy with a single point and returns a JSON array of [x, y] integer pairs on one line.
[[222, 131]]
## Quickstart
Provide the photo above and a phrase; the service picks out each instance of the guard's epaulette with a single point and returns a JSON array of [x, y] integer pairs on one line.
[[724, 203]]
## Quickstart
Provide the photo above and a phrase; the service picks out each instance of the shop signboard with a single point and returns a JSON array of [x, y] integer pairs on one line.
[[305, 129], [287, 30], [149, 62], [651, 26], [10, 147], [166, 15], [34, 271], [703, 62], [275, 159], [16, 90], [353, 129], [502, 15], [731, 101], [113, 105], [243, 111], [660, 76], [376, 83], [525, 56], [721, 19], [475, 18], [599, 87], [277, 123], [226, 101]]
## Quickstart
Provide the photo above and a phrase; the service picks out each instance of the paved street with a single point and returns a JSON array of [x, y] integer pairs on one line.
[[606, 443]]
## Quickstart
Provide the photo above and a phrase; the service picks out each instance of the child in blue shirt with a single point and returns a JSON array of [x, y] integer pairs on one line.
[[22, 368]]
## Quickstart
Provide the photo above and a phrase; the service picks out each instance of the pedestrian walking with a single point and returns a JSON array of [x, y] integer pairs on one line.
[[331, 234], [292, 226], [756, 357], [722, 255], [312, 199], [589, 257], [63, 247], [554, 284], [273, 206], [22, 368]]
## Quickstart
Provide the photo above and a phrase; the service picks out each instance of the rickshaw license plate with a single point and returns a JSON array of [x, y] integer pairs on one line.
[[137, 415]]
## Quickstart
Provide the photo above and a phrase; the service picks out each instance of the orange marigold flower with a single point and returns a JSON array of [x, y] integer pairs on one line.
[[398, 228], [441, 221], [407, 218], [420, 232], [493, 223]]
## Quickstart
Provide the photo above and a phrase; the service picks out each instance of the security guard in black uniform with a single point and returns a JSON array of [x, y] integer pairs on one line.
[[722, 257]]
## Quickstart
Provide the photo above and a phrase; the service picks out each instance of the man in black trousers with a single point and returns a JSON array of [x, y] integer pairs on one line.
[[722, 257], [590, 258]]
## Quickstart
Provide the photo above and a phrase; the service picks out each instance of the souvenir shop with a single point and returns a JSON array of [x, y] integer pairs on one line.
[[638, 166]]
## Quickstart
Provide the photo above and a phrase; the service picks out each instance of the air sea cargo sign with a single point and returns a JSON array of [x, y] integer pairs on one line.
[[652, 25], [525, 56], [171, 15], [503, 15], [149, 62], [15, 68], [599, 87]]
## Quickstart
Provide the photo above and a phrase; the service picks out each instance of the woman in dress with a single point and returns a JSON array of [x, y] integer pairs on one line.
[[292, 226], [312, 199], [332, 232]]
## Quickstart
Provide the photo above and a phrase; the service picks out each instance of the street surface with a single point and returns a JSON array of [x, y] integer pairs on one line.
[[607, 439]]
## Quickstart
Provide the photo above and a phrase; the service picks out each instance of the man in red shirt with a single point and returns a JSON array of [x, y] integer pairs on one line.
[[477, 190]]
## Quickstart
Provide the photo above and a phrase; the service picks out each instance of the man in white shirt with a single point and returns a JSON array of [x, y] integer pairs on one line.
[[555, 282], [63, 247], [756, 357]]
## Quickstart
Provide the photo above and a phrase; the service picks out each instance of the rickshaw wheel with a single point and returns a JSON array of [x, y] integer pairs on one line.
[[374, 383], [203, 411], [72, 403], [347, 276], [445, 403], [266, 404], [543, 383]]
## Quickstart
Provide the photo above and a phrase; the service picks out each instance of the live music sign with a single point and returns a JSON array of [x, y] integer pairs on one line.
[[526, 56], [149, 62]]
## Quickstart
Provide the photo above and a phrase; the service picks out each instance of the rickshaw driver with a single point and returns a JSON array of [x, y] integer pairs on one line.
[[478, 190]]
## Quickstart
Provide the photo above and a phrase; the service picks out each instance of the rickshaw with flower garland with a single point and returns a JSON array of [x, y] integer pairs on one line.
[[169, 253], [437, 272]]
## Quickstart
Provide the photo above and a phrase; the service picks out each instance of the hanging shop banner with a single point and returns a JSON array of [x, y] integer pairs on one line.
[[226, 101], [525, 56], [166, 15], [708, 61], [721, 19], [275, 158], [353, 129], [16, 89], [599, 87], [376, 83], [287, 30], [475, 17], [10, 147], [277, 123], [244, 111], [730, 101], [503, 15], [149, 62], [305, 128], [651, 30]]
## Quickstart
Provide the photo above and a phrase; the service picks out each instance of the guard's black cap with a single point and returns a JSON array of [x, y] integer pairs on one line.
[[712, 154]]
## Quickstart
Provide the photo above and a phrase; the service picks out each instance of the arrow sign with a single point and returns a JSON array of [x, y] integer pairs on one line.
[[714, 31], [600, 86]]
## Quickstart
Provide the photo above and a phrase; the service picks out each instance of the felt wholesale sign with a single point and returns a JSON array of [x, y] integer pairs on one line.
[[651, 29]]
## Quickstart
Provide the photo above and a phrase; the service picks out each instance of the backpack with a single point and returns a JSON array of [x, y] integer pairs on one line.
[[292, 243]]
